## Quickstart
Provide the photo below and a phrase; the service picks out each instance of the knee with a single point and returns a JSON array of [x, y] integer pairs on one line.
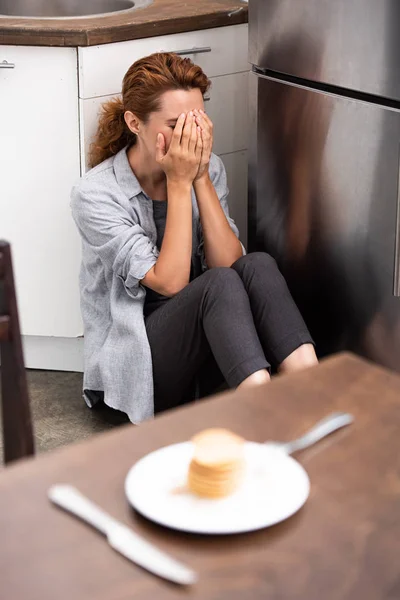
[[256, 260], [222, 279]]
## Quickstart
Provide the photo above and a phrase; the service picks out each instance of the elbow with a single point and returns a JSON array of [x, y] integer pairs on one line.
[[173, 288], [240, 254]]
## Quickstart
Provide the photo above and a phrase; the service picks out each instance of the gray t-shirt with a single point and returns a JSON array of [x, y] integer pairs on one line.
[[153, 299]]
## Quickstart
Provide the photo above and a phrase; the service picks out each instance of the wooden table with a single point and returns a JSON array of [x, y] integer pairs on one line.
[[343, 544]]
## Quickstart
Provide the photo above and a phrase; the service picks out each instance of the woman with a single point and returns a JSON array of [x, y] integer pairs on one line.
[[165, 285]]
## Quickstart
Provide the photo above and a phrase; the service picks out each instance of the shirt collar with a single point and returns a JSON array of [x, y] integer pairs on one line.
[[124, 175]]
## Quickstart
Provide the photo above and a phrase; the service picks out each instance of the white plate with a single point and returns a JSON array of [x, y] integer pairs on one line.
[[274, 488]]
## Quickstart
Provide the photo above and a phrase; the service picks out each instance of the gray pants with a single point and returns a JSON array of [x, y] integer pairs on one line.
[[242, 318]]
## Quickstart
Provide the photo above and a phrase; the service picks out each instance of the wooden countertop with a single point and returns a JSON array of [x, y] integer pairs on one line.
[[160, 18]]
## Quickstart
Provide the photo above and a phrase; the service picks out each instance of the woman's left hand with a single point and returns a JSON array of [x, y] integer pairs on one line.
[[206, 126]]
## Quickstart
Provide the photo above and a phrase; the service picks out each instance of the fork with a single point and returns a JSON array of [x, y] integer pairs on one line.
[[326, 426]]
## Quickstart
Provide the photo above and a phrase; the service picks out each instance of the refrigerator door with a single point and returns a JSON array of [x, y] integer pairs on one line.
[[323, 200], [353, 44]]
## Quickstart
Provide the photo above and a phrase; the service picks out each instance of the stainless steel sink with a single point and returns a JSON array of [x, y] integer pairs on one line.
[[66, 9]]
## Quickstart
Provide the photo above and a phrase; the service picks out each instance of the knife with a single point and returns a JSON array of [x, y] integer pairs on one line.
[[120, 537]]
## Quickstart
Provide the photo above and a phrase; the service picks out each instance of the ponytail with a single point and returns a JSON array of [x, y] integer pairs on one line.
[[112, 132]]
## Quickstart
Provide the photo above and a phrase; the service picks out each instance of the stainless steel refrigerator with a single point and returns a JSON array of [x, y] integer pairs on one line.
[[324, 164]]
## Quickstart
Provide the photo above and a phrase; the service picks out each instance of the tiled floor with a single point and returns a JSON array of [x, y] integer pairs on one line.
[[60, 415]]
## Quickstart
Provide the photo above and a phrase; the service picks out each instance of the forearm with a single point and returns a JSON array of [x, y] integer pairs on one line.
[[221, 246], [173, 264]]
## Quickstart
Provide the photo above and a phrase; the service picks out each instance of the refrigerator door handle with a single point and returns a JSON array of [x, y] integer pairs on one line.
[[396, 277]]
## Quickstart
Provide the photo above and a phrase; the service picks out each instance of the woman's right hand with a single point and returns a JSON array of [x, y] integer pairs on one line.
[[181, 162]]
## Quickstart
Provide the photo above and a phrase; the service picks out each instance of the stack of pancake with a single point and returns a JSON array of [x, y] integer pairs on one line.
[[218, 463]]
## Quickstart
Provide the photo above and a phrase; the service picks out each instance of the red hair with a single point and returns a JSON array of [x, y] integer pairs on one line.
[[143, 85]]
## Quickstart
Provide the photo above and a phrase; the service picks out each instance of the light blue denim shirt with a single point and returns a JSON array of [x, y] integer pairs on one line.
[[116, 224]]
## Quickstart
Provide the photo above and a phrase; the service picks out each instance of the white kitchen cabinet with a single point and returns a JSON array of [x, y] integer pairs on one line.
[[39, 161]]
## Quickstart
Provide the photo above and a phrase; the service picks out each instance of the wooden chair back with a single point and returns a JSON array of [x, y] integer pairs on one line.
[[16, 416]]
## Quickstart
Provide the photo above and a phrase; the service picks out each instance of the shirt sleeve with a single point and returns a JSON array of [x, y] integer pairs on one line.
[[111, 232], [219, 181]]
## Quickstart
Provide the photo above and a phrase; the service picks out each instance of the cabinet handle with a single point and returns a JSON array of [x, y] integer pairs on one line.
[[193, 50], [206, 98], [396, 277], [6, 65]]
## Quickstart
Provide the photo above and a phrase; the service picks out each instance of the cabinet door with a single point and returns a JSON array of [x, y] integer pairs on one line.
[[228, 110], [324, 186], [39, 158]]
